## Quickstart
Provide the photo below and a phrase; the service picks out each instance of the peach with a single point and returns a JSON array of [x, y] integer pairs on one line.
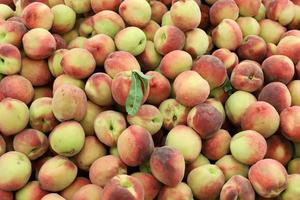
[[280, 149], [294, 166], [78, 42], [12, 32], [52, 196], [282, 11], [79, 182], [186, 15], [219, 106], [293, 87], [261, 117], [204, 16], [168, 38], [98, 89], [167, 165], [288, 46], [232, 167], [64, 18], [31, 191], [197, 42], [54, 62], [10, 59], [36, 71], [79, 7], [150, 184], [229, 59], [248, 147], [2, 146], [261, 14], [166, 19], [173, 113], [292, 190], [6, 195], [60, 41], [94, 193], [211, 69], [248, 8], [105, 168], [67, 79], [16, 171], [237, 187], [6, 11], [217, 146], [181, 191], [158, 9], [120, 61], [248, 25], [298, 69], [84, 27], [98, 6], [123, 187], [206, 181], [174, 63], [150, 29], [11, 111], [276, 94], [291, 33], [288, 123], [205, 119], [271, 31], [268, 178], [253, 48], [223, 9], [200, 160], [295, 24], [149, 58]]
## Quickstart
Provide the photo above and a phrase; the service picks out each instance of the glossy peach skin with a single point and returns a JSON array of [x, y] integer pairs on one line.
[[79, 182]]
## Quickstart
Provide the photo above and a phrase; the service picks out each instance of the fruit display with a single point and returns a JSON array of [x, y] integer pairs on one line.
[[149, 99]]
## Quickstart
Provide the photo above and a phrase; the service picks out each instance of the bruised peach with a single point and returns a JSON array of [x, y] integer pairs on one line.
[[289, 123], [253, 48], [223, 9], [229, 59], [94, 192], [181, 191], [79, 182]]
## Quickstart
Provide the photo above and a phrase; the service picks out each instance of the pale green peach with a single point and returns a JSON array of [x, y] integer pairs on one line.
[[248, 25], [5, 12], [10, 59], [196, 43], [54, 62], [261, 12], [200, 160], [292, 191], [294, 88], [166, 19], [64, 18], [80, 7], [271, 31], [71, 35], [66, 79]]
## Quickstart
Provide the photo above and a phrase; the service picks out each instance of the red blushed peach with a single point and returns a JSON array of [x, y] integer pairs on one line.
[[231, 167], [278, 68], [120, 61], [271, 49], [167, 165], [261, 117], [289, 46], [123, 187], [268, 178], [98, 6], [78, 63], [217, 146], [253, 47], [13, 32], [211, 69], [237, 187], [294, 166], [40, 92], [248, 8], [38, 43], [248, 147], [295, 24], [280, 149], [36, 71], [271, 31], [291, 33], [276, 94], [31, 191], [60, 42], [229, 59], [150, 58], [100, 46], [289, 123], [54, 62], [135, 145], [219, 106], [37, 15], [294, 88], [282, 11], [6, 195], [206, 181], [17, 87], [121, 85], [247, 76], [227, 35], [158, 9], [190, 81], [150, 184], [10, 59], [175, 62], [223, 9], [150, 29], [79, 182], [205, 119], [160, 88], [248, 25], [67, 79], [94, 193], [168, 38], [181, 191], [204, 16], [105, 168]]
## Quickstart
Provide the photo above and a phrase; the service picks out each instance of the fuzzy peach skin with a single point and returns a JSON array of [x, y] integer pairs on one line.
[[38, 43], [219, 106], [276, 94], [67, 79], [79, 182], [261, 117], [150, 184], [105, 168], [227, 35], [57, 173], [282, 11], [167, 165], [190, 81], [223, 9], [248, 147], [268, 178], [31, 142], [79, 7], [31, 191], [197, 42], [78, 42], [280, 149], [229, 59], [200, 160], [94, 193], [12, 110], [289, 123], [14, 31], [166, 19], [2, 145], [54, 62], [16, 171], [294, 166], [249, 26], [294, 87], [206, 181], [150, 29], [6, 195], [123, 187], [237, 187], [17, 87], [217, 146], [6, 11], [211, 69], [10, 59], [37, 15], [168, 38], [64, 18], [98, 6], [253, 48], [205, 119], [186, 140], [248, 8], [295, 24], [181, 191], [53, 196], [292, 190], [288, 46], [271, 31], [158, 9], [149, 58]]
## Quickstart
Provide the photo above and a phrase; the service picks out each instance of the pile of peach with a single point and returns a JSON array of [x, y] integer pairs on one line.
[[149, 99]]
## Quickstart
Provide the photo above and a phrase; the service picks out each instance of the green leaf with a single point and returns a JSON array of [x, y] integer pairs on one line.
[[144, 78], [135, 95], [227, 87]]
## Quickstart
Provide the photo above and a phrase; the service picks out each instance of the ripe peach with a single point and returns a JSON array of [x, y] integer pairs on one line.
[[6, 11], [223, 9], [79, 182], [13, 32], [200, 160], [229, 59], [294, 166], [78, 42], [294, 87], [282, 11], [271, 31], [158, 9], [10, 59], [248, 25], [6, 195], [248, 8], [94, 193], [64, 18], [292, 190], [40, 92], [289, 123], [196, 43], [288, 46], [54, 62], [295, 24], [31, 191], [149, 58], [181, 191], [83, 6], [52, 196], [150, 29], [253, 48], [166, 19], [98, 6]]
